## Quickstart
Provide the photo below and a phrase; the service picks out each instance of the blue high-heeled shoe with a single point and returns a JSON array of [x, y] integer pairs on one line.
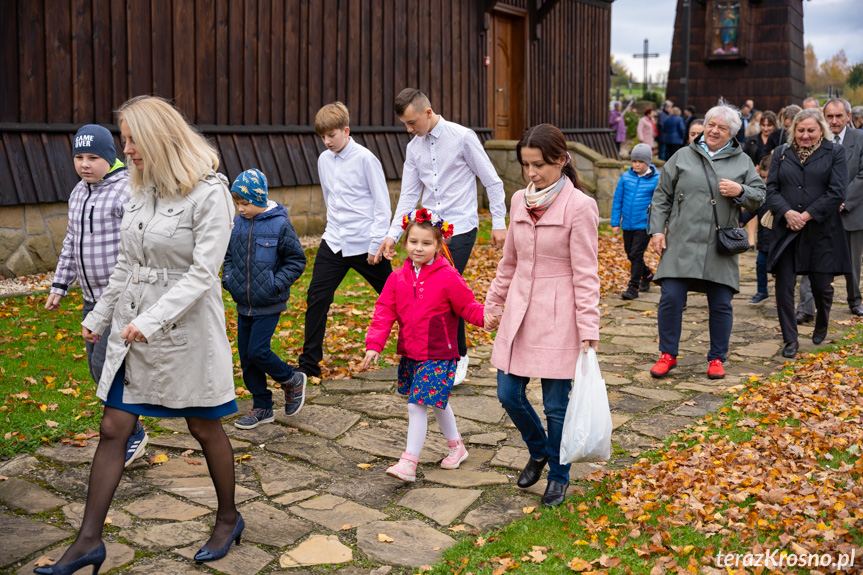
[[95, 558], [205, 554]]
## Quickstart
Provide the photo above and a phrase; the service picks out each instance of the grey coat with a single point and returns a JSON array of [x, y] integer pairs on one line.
[[682, 199], [852, 215], [166, 282]]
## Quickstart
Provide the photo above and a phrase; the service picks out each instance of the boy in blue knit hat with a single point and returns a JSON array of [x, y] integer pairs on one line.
[[263, 260], [96, 208]]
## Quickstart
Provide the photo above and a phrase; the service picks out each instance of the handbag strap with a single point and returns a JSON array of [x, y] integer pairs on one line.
[[710, 187]]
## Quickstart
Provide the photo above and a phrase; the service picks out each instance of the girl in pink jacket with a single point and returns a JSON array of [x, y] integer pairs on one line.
[[426, 296]]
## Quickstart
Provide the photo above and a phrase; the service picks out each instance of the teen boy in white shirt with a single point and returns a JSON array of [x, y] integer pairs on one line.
[[358, 216], [442, 163]]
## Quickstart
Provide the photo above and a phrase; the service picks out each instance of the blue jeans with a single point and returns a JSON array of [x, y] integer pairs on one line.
[[555, 398], [257, 359], [670, 315], [761, 272]]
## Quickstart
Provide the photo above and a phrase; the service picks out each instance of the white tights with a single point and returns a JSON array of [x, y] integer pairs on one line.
[[418, 424]]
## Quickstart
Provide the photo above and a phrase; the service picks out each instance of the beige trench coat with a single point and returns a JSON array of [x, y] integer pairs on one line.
[[166, 282]]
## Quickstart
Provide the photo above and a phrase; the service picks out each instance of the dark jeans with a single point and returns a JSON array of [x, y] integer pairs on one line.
[[761, 272], [786, 279], [635, 243], [328, 272], [663, 151], [555, 398], [460, 247], [670, 314], [254, 334], [96, 351]]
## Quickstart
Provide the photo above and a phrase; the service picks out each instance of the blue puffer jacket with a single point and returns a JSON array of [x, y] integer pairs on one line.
[[263, 260], [632, 198]]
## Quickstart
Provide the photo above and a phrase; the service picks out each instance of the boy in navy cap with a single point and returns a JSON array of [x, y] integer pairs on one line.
[[263, 260]]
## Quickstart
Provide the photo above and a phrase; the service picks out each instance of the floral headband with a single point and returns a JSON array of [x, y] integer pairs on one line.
[[423, 215]]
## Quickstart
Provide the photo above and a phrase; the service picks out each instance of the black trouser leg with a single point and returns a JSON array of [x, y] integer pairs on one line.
[[852, 280], [822, 292], [460, 247], [635, 243], [786, 281]]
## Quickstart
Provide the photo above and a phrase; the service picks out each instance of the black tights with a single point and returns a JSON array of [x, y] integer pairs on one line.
[[107, 469]]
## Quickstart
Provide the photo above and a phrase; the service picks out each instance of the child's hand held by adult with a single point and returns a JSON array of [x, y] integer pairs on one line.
[[53, 302], [89, 335], [491, 322], [371, 358]]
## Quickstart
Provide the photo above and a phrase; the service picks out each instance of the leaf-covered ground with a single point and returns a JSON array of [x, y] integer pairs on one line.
[[775, 475]]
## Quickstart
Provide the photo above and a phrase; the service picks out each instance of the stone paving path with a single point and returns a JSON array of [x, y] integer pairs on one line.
[[312, 487]]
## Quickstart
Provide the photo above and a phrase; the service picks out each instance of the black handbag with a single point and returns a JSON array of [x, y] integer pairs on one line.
[[729, 241]]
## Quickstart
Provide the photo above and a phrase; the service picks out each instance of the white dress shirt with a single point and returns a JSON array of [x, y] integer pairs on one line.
[[443, 165], [357, 199], [841, 136]]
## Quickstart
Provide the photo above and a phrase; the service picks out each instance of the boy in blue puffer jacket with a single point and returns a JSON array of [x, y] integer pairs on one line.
[[629, 211], [263, 260]]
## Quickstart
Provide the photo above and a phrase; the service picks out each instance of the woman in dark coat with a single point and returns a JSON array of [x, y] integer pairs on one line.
[[755, 145], [805, 187]]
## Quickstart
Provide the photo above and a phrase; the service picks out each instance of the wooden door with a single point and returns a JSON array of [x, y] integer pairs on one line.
[[507, 77]]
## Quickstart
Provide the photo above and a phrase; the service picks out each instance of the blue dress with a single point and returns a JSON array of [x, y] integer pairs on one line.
[[115, 400]]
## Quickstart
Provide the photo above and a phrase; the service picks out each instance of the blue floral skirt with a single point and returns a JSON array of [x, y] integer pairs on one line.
[[115, 400], [427, 382]]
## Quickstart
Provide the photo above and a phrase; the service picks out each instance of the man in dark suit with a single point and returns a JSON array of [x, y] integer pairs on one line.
[[837, 112]]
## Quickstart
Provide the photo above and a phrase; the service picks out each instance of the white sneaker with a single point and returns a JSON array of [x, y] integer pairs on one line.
[[461, 369]]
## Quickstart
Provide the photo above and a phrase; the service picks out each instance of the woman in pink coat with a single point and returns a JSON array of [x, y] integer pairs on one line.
[[646, 130], [547, 287]]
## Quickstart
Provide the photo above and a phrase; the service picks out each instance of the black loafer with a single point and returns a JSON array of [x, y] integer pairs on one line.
[[818, 336], [790, 350], [804, 317], [857, 310], [531, 473], [554, 493]]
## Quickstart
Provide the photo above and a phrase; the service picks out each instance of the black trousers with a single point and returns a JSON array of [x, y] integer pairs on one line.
[[635, 243], [328, 272], [460, 247], [786, 280]]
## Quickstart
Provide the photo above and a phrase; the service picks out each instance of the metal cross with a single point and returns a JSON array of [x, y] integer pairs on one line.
[[645, 55]]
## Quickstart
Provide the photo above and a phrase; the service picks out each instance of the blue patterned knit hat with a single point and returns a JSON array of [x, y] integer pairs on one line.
[[251, 185]]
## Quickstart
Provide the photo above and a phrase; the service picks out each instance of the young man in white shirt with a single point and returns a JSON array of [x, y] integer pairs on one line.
[[442, 163], [358, 216]]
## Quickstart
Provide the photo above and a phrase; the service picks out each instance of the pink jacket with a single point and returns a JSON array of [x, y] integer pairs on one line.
[[427, 309], [645, 131], [549, 280]]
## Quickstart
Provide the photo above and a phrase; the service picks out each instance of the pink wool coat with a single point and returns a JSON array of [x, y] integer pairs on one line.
[[547, 285]]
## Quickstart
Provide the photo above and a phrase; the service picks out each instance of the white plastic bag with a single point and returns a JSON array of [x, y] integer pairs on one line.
[[587, 425]]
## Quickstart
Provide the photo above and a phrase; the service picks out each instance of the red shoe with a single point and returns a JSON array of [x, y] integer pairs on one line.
[[715, 369], [665, 364]]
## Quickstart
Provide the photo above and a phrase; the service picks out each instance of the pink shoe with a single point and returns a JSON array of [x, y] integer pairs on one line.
[[457, 454], [405, 469]]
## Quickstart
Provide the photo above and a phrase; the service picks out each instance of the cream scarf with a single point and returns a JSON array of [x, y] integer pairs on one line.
[[538, 201]]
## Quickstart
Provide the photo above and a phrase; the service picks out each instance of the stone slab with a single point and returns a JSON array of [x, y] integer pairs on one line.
[[612, 379], [765, 349], [660, 426], [690, 386], [165, 507], [499, 513], [184, 442], [19, 465], [116, 555], [637, 344], [511, 457], [263, 433], [704, 404], [630, 404], [379, 406], [201, 490], [294, 496], [480, 381], [478, 408], [177, 467], [440, 504], [372, 487], [383, 442], [320, 452], [657, 394], [162, 536], [390, 373], [629, 330], [74, 513], [617, 420], [464, 478], [68, 454], [75, 480], [317, 550], [163, 567], [359, 386], [271, 526], [333, 512], [277, 476], [22, 536], [326, 421], [242, 559], [22, 495], [491, 439], [413, 543]]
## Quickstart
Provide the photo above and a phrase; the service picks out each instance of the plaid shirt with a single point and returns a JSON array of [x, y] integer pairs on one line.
[[92, 235]]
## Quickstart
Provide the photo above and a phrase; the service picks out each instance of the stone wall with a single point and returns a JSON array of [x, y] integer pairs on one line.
[[31, 236]]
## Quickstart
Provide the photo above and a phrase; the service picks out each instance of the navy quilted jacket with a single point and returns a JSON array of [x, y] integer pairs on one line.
[[263, 260]]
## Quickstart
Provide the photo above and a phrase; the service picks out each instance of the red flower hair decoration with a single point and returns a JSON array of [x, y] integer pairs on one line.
[[423, 215]]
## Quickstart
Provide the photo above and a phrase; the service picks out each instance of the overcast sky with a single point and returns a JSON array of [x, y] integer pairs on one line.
[[827, 24]]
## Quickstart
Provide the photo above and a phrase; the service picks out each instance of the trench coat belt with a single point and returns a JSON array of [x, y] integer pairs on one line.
[[144, 274]]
